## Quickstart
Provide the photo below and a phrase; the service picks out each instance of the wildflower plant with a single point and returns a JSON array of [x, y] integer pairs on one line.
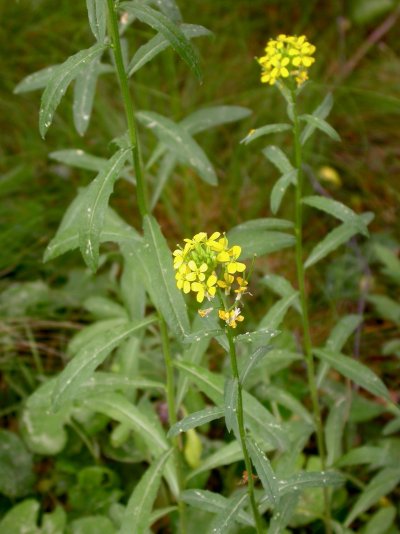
[[152, 322]]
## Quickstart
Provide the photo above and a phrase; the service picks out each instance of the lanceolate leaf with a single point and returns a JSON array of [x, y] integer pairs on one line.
[[155, 264], [334, 239], [140, 504], [169, 30], [60, 80], [278, 158], [261, 422], [283, 513], [356, 371], [116, 406], [37, 80], [213, 502], [97, 10], [264, 130], [336, 209], [341, 332], [226, 518], [321, 112], [334, 427], [280, 188], [204, 119], [157, 44], [258, 243], [180, 142], [264, 472], [95, 206], [196, 419], [79, 158], [252, 360], [322, 125], [381, 484], [310, 479], [82, 366], [84, 91], [226, 455]]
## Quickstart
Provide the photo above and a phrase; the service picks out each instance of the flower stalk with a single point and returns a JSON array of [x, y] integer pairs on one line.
[[242, 431], [307, 342]]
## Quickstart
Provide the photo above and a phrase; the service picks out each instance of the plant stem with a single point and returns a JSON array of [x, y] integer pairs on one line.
[[242, 432], [172, 416], [304, 307], [129, 109]]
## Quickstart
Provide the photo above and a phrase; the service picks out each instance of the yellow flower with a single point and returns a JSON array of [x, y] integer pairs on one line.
[[206, 289], [242, 289], [287, 56], [183, 279], [232, 317], [204, 313], [198, 272], [226, 283]]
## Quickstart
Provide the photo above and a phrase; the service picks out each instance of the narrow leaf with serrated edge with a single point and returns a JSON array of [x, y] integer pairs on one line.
[[82, 366], [179, 42], [60, 80], [84, 91], [357, 372], [264, 472], [140, 504], [195, 419], [96, 203]]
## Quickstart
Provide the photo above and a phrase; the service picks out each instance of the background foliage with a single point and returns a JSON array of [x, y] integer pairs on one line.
[[42, 305]]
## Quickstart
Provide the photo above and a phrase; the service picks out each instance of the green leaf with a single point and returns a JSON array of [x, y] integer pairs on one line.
[[280, 286], [97, 12], [334, 428], [158, 43], [227, 454], [227, 517], [280, 188], [67, 238], [256, 242], [116, 406], [60, 80], [180, 143], [342, 331], [140, 504], [356, 371], [92, 525], [381, 521], [381, 484], [260, 421], [195, 419], [277, 312], [338, 236], [386, 307], [96, 201], [310, 479], [321, 112], [16, 475], [278, 158], [376, 456], [264, 130], [21, 518], [154, 260], [390, 261], [231, 392], [198, 335], [79, 158], [37, 80], [104, 308], [268, 223], [322, 125], [263, 335], [213, 502], [54, 522], [337, 210], [42, 429], [252, 360], [84, 91], [280, 396], [82, 366], [204, 119], [179, 42], [283, 513], [264, 472]]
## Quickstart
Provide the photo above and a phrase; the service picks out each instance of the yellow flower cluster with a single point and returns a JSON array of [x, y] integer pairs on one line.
[[205, 264], [287, 56]]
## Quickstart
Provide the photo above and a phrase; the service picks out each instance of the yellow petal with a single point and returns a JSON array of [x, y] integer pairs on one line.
[[223, 257]]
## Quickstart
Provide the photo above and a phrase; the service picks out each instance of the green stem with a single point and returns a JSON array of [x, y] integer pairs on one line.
[[129, 109], [304, 307], [172, 416], [242, 432]]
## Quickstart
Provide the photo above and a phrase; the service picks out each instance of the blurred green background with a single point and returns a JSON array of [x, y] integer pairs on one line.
[[357, 59]]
